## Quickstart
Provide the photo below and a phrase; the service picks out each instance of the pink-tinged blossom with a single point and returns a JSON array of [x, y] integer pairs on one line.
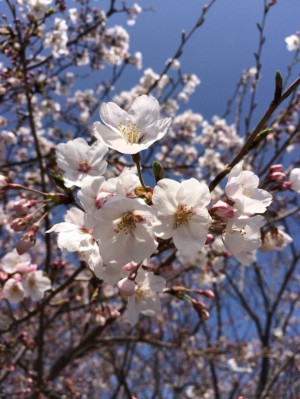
[[13, 290], [75, 235], [182, 213], [77, 160], [145, 299], [275, 240], [295, 179], [96, 191], [35, 285], [242, 237], [242, 189], [12, 262], [133, 131], [125, 231]]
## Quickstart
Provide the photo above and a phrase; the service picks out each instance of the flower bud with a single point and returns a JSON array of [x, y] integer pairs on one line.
[[223, 210], [276, 168], [21, 224], [26, 242], [22, 206], [126, 287], [158, 171]]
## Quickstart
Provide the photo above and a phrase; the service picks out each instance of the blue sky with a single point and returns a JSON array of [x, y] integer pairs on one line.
[[219, 51]]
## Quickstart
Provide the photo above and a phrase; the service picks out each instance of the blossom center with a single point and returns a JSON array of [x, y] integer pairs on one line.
[[128, 222], [183, 215], [141, 292], [130, 131], [84, 166], [247, 192], [241, 231]]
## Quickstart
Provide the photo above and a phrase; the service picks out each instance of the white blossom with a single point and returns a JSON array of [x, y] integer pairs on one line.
[[13, 290], [12, 262], [76, 235], [132, 131], [125, 231], [182, 213], [36, 284], [295, 179], [38, 8], [242, 237], [146, 296], [57, 39], [242, 189], [77, 160], [292, 43], [275, 240]]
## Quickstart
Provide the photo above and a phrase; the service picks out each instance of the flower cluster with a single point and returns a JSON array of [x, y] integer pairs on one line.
[[22, 279], [125, 223]]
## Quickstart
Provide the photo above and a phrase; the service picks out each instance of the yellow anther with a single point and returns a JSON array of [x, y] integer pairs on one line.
[[130, 131]]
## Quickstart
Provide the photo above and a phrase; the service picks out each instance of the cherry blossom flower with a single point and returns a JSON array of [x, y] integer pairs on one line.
[[38, 8], [182, 213], [58, 38], [125, 231], [145, 299], [292, 43], [12, 262], [275, 240], [77, 160], [295, 179], [75, 235], [96, 191], [242, 236], [132, 131], [13, 289], [242, 189], [36, 284]]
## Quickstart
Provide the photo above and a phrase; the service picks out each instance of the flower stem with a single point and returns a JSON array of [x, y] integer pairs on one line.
[[136, 159]]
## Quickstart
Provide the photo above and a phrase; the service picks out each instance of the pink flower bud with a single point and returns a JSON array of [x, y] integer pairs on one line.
[[223, 210], [286, 184], [277, 176], [21, 224], [26, 242], [3, 276], [209, 239], [22, 206], [276, 168], [207, 293], [126, 287], [201, 309]]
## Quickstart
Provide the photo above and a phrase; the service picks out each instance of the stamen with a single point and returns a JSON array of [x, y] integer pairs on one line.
[[128, 222], [130, 131], [84, 166], [141, 291], [183, 215]]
